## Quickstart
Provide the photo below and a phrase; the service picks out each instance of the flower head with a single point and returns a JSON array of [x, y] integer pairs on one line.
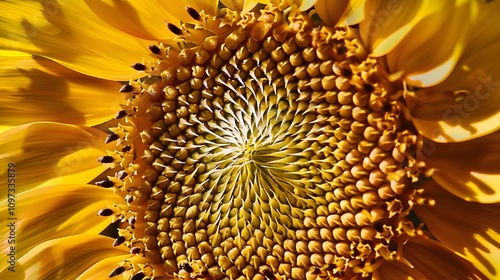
[[254, 139]]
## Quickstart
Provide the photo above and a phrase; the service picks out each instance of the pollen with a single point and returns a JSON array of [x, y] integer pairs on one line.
[[279, 151]]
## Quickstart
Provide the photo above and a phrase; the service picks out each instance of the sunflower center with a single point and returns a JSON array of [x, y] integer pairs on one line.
[[281, 151]]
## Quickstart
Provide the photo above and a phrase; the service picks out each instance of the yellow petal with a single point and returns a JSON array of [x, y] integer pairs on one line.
[[235, 5], [436, 261], [484, 29], [386, 23], [470, 30], [404, 30], [354, 13], [71, 34], [397, 271], [63, 258], [330, 11], [471, 112], [139, 19], [27, 83], [305, 4], [51, 153], [429, 260], [57, 211], [340, 12], [178, 8], [240, 5], [102, 269], [469, 228], [468, 169], [442, 28], [284, 4]]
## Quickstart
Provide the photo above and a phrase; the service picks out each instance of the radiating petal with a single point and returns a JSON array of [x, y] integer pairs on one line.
[[466, 104], [484, 30], [476, 29], [144, 20], [468, 169], [63, 258], [429, 260], [340, 12], [235, 5], [354, 13], [438, 262], [283, 4], [178, 9], [386, 23], [330, 11], [439, 24], [305, 4], [51, 153], [71, 34], [57, 211], [102, 269], [240, 5], [37, 89], [469, 228], [397, 271]]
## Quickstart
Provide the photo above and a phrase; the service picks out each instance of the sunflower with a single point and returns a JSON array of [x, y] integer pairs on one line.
[[244, 139]]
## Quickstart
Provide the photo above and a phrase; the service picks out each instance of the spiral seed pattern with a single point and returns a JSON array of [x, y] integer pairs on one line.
[[281, 152]]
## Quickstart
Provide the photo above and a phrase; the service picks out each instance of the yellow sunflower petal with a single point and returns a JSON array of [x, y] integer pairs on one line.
[[57, 211], [102, 269], [330, 11], [283, 4], [471, 229], [51, 153], [63, 258], [469, 113], [436, 261], [485, 29], [397, 271], [304, 4], [71, 34], [139, 19], [444, 27], [27, 83], [386, 23], [466, 40], [429, 260], [341, 12], [468, 169], [178, 9], [240, 5], [401, 29]]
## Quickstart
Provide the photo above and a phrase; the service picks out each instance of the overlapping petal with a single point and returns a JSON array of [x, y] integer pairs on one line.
[[178, 9], [302, 5], [440, 23], [71, 34], [468, 169], [37, 89], [403, 30], [340, 12], [102, 269], [51, 153], [472, 229], [437, 262], [429, 260], [465, 105], [144, 20], [386, 23], [240, 5], [63, 258], [56, 211]]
